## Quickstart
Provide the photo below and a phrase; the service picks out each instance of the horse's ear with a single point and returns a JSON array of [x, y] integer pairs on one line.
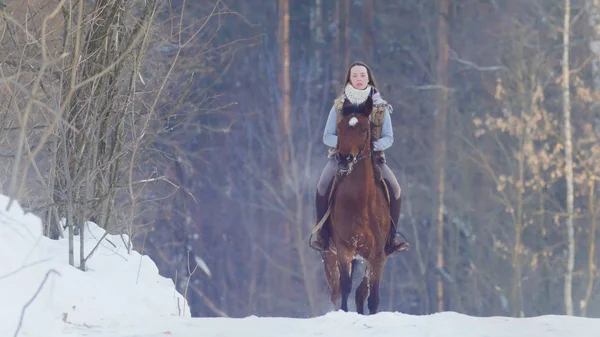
[[349, 108]]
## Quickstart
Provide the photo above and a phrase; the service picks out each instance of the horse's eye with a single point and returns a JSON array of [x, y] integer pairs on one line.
[[364, 130]]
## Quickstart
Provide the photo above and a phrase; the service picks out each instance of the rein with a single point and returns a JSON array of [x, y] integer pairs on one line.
[[360, 156]]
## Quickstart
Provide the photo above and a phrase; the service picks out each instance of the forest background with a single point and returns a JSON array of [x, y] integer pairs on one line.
[[196, 127]]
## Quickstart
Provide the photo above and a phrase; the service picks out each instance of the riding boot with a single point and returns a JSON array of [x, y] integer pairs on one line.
[[322, 204], [395, 244], [322, 241]]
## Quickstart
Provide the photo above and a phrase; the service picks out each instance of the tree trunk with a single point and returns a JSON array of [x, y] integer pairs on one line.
[[337, 43], [568, 161], [346, 16], [368, 31], [440, 141], [591, 247], [285, 127], [545, 268], [316, 29], [517, 289], [284, 77], [342, 53], [593, 11]]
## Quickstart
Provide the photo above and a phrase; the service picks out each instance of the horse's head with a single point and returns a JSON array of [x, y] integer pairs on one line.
[[354, 135]]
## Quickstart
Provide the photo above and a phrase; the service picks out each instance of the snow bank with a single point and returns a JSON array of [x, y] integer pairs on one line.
[[117, 284]]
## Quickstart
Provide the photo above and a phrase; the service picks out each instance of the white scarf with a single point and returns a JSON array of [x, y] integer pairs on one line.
[[357, 96]]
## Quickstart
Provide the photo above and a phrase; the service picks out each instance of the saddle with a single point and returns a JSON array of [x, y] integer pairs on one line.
[[379, 181]]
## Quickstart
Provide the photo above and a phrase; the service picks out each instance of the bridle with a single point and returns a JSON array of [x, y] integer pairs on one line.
[[349, 159]]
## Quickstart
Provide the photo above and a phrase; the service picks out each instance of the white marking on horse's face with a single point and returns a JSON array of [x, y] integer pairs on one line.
[[353, 121]]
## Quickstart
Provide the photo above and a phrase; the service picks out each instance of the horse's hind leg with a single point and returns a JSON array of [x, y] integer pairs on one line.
[[361, 295], [374, 272], [345, 260]]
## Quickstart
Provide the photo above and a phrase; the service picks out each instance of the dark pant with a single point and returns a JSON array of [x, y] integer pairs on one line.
[[329, 172]]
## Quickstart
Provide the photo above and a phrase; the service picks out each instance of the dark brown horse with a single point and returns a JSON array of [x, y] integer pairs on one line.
[[360, 215]]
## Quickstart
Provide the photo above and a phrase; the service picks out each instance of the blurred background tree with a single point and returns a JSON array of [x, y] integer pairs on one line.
[[235, 148]]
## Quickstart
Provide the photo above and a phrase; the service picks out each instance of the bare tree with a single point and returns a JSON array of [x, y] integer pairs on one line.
[[107, 111], [568, 158], [528, 168], [440, 126]]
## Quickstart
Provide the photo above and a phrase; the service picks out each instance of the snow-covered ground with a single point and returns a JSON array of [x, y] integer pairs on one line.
[[122, 295]]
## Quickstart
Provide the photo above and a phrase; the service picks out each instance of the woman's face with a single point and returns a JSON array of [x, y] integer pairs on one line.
[[359, 78]]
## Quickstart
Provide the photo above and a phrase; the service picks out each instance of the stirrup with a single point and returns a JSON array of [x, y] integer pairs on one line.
[[401, 247], [316, 245]]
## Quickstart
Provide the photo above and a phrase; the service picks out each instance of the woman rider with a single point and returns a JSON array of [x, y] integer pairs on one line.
[[358, 86]]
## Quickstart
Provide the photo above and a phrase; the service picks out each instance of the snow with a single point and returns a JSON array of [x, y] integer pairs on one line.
[[122, 295], [118, 285]]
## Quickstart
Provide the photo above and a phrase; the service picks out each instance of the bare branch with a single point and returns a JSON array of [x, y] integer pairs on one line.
[[35, 295]]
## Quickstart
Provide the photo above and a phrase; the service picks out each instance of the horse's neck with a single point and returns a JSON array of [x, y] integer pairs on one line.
[[361, 179], [364, 169]]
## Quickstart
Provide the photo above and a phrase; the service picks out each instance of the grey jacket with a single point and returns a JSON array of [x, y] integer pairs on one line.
[[383, 143]]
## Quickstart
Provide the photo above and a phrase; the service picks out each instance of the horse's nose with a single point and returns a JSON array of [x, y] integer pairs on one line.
[[344, 161], [344, 158]]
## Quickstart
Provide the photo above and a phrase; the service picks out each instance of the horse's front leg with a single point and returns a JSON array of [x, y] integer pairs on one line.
[[345, 263], [375, 272], [361, 295], [332, 276]]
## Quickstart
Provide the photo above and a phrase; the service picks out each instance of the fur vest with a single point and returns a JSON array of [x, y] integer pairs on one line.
[[377, 116]]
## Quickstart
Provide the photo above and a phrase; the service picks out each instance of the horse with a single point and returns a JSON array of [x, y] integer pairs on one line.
[[360, 214]]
